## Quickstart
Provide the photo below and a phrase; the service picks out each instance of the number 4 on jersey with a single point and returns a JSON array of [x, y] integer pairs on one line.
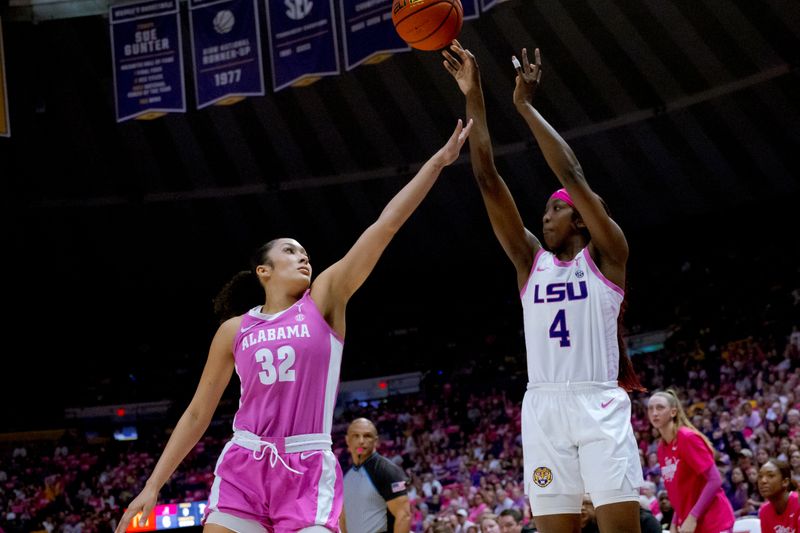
[[558, 329]]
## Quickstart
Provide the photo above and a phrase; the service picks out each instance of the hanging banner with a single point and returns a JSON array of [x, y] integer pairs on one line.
[[302, 41], [226, 51], [5, 125], [486, 5], [368, 32], [470, 9], [148, 59]]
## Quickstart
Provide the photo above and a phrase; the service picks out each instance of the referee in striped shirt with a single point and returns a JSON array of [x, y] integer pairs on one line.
[[375, 489]]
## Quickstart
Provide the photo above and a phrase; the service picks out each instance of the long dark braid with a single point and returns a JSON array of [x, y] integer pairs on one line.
[[627, 377]]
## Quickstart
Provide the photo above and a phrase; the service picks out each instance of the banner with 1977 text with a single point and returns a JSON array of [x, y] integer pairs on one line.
[[226, 51]]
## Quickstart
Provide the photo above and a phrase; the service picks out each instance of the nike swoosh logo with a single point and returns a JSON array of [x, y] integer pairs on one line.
[[540, 269], [306, 455], [251, 326], [606, 404]]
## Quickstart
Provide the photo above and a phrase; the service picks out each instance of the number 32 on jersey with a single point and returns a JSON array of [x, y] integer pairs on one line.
[[269, 374]]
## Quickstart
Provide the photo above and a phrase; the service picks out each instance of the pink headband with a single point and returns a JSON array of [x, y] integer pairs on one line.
[[564, 196]]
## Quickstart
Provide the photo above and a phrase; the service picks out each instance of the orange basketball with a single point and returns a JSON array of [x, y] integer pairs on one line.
[[427, 24]]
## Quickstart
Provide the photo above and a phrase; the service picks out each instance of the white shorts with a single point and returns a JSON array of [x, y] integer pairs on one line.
[[576, 439]]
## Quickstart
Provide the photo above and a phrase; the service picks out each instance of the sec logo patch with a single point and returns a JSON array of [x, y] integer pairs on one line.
[[542, 476]]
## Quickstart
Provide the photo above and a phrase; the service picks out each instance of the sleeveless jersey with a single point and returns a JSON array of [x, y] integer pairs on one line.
[[570, 313], [288, 365]]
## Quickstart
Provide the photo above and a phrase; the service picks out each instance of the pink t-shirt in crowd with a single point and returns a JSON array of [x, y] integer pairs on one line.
[[786, 522], [683, 462]]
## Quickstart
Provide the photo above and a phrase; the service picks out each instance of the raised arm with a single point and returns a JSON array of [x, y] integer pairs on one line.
[[334, 287], [194, 422], [519, 244], [608, 244]]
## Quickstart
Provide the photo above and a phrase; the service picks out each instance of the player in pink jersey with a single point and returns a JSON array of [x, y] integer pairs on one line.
[[690, 474], [781, 512], [278, 472], [576, 430]]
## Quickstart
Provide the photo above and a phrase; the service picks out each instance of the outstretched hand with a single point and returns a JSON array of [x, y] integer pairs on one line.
[[449, 152], [528, 77], [462, 67], [143, 503]]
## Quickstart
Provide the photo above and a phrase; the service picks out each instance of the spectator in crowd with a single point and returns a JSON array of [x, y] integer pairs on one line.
[[781, 512], [510, 521], [588, 516], [738, 492], [463, 523], [489, 523], [665, 507]]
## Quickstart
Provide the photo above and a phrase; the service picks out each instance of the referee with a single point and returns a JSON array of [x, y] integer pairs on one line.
[[372, 485]]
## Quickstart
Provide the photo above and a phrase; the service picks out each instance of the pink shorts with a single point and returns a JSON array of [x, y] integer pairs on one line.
[[282, 491]]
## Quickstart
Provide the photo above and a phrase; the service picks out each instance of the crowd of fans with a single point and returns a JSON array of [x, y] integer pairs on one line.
[[458, 440], [734, 362]]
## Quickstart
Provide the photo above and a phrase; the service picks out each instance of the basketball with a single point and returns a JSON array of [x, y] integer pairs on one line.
[[427, 24], [223, 21]]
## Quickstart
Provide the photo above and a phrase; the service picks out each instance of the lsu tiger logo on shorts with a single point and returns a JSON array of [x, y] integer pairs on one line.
[[542, 476]]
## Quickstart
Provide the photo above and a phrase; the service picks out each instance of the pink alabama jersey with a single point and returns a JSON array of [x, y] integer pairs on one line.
[[288, 365], [570, 315]]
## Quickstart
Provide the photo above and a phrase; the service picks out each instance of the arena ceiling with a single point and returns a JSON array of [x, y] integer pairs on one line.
[[118, 235]]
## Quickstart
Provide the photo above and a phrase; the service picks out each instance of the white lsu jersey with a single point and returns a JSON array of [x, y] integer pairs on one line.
[[570, 313]]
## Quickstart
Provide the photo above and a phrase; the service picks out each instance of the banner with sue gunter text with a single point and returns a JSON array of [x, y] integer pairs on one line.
[[148, 59]]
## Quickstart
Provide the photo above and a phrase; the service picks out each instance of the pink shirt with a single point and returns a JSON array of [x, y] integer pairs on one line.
[[682, 463], [288, 365], [786, 522]]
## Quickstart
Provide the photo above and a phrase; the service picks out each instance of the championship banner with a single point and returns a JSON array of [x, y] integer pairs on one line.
[[226, 51], [5, 125], [486, 5], [470, 9], [303, 45], [368, 32], [148, 59]]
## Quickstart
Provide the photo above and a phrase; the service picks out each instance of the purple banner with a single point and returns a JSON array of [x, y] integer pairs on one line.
[[470, 9], [486, 5], [368, 32], [5, 126], [148, 59], [302, 41], [226, 51]]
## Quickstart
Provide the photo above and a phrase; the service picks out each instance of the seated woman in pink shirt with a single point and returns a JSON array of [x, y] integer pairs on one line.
[[688, 469], [781, 512]]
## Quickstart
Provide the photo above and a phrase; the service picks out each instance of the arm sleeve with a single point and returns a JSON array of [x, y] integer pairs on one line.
[[713, 484], [390, 480]]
